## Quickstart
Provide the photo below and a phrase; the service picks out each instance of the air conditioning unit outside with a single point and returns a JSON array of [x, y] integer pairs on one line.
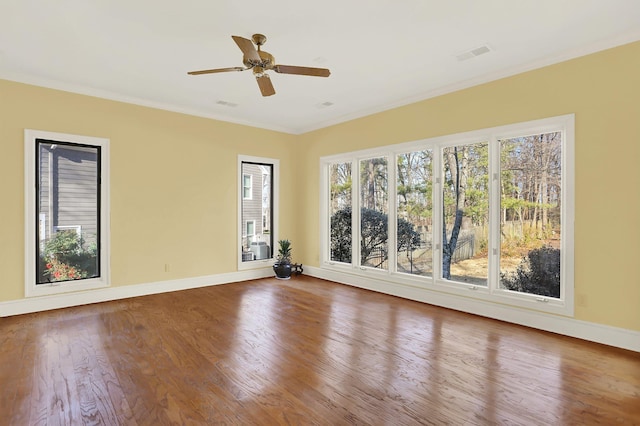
[[248, 256], [260, 249]]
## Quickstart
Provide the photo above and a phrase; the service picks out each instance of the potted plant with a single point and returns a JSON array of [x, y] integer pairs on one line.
[[282, 267]]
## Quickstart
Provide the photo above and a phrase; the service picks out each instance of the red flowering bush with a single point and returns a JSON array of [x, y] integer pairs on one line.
[[66, 257], [59, 271]]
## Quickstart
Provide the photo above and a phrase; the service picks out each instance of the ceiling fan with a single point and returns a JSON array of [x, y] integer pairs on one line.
[[260, 61]]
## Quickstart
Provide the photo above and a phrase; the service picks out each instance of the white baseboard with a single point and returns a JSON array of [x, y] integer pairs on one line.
[[45, 303], [612, 336]]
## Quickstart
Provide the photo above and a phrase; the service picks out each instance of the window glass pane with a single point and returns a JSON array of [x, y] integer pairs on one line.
[[340, 212], [374, 210], [257, 202], [414, 225], [530, 186], [68, 190], [465, 213], [246, 187]]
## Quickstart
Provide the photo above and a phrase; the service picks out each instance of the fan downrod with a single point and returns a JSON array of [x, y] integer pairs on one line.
[[259, 39]]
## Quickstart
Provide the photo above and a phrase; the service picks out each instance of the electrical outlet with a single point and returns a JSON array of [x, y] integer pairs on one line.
[[167, 267]]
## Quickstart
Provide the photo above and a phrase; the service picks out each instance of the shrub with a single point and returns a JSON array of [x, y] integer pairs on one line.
[[538, 273], [66, 256], [374, 235], [341, 235]]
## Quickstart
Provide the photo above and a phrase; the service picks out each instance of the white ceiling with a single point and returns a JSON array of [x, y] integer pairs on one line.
[[381, 53]]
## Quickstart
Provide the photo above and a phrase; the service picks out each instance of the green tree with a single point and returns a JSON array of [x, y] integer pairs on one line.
[[414, 186]]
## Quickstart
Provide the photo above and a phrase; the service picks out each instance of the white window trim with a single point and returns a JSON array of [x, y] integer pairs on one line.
[[261, 263], [31, 289], [492, 293]]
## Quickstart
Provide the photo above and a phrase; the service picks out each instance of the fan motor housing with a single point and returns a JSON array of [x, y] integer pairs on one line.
[[267, 62]]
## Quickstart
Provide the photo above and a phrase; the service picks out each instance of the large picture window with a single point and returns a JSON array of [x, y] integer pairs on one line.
[[257, 219], [489, 210], [67, 205]]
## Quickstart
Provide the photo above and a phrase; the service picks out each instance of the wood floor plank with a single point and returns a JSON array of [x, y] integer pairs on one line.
[[304, 351], [16, 378]]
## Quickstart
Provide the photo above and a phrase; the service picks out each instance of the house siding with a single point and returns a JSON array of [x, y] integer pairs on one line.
[[68, 189]]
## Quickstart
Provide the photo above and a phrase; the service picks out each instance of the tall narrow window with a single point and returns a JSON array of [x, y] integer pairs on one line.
[[68, 225], [340, 212], [68, 190], [530, 228], [414, 215], [257, 177], [374, 210], [465, 212]]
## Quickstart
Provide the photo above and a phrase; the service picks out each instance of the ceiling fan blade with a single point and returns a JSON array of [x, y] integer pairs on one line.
[[247, 47], [290, 69], [265, 85], [217, 70]]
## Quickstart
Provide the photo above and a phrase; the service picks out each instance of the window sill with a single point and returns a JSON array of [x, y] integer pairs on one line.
[[385, 279]]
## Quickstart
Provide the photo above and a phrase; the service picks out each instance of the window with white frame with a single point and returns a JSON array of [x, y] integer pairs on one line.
[[66, 205], [414, 212], [465, 212], [257, 215], [373, 212], [247, 189], [339, 176], [489, 210], [250, 230]]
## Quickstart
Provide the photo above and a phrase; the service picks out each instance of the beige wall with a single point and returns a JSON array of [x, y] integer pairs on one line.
[[603, 90], [173, 177], [173, 183]]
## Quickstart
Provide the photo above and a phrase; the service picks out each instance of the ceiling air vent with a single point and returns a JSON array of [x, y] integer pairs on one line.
[[324, 105], [472, 53], [227, 104]]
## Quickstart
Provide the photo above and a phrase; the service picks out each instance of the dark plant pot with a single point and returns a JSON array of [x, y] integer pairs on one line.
[[282, 270]]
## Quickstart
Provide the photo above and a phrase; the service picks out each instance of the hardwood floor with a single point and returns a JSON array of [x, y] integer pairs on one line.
[[304, 351]]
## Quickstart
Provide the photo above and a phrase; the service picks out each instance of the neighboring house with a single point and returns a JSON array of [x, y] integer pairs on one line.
[[67, 182]]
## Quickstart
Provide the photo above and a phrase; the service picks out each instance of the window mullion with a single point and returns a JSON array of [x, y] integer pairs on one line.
[[392, 208], [355, 214], [494, 214], [325, 216], [436, 231]]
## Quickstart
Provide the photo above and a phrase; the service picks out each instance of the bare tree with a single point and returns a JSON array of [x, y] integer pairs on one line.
[[456, 163]]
